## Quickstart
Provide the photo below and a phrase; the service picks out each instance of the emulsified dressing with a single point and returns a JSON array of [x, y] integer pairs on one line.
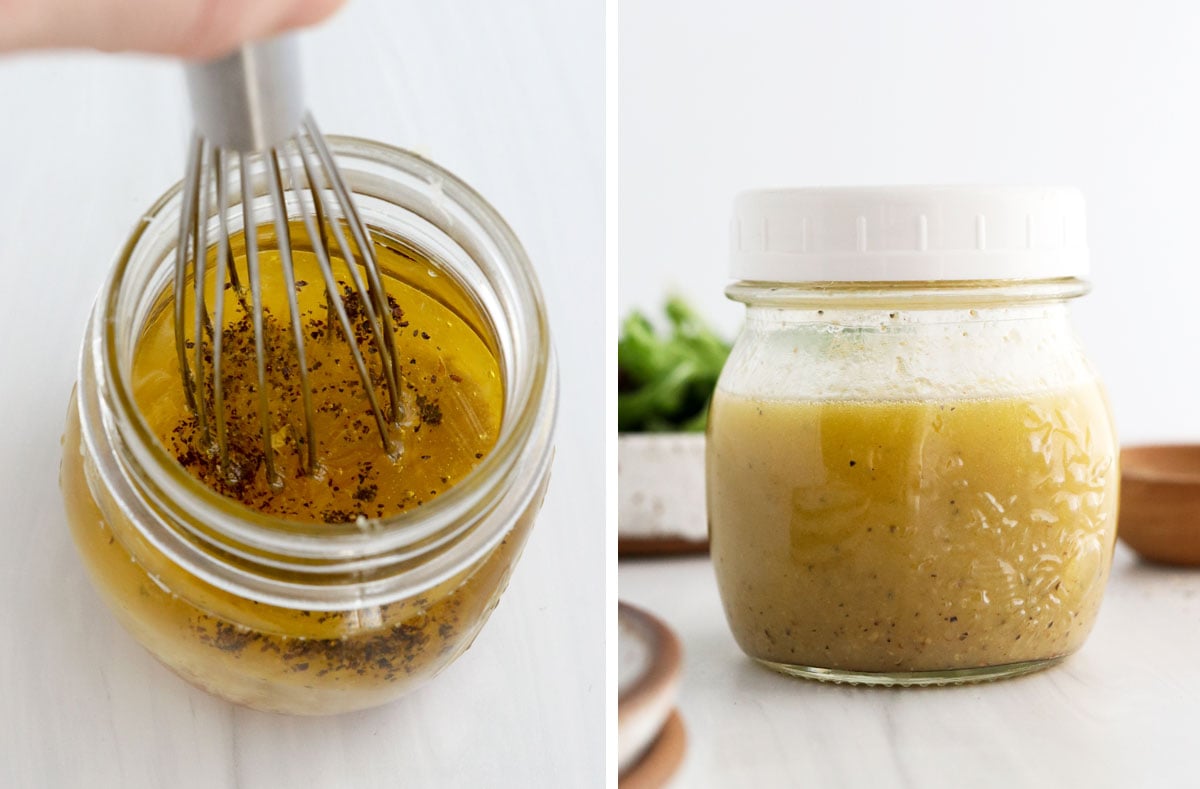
[[914, 535]]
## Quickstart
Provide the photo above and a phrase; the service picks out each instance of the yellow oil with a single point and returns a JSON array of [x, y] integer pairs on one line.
[[912, 536], [450, 399]]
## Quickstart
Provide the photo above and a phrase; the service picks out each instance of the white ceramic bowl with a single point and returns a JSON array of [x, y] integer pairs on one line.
[[660, 492]]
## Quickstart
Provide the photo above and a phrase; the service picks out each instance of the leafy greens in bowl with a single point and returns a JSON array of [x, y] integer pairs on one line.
[[665, 381]]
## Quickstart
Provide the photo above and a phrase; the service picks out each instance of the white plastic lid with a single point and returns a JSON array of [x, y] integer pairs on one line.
[[908, 233]]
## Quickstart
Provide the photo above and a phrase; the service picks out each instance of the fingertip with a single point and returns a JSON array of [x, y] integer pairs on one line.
[[192, 29], [310, 12], [238, 27]]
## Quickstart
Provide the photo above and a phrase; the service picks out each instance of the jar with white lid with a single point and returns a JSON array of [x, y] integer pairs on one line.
[[912, 467]]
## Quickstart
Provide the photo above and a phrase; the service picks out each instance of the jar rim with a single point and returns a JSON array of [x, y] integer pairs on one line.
[[455, 527], [930, 294]]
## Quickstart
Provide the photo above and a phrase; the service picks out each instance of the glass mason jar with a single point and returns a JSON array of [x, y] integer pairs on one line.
[[301, 617], [911, 467]]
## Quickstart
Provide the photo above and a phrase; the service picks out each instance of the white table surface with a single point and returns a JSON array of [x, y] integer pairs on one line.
[[1122, 712], [510, 97]]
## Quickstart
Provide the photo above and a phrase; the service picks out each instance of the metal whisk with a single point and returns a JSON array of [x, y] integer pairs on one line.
[[249, 116]]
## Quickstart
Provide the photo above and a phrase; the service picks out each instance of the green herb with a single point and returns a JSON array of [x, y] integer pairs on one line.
[[665, 382]]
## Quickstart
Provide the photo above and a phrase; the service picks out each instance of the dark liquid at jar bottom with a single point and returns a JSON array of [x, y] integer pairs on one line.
[[895, 538]]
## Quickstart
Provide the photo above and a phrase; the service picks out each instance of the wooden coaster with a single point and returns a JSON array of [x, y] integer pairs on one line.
[[649, 662], [662, 760]]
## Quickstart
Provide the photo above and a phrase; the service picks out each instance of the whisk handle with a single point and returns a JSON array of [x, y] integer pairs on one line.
[[249, 100]]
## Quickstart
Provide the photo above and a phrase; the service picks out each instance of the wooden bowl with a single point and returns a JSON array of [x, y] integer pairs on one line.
[[1160, 502]]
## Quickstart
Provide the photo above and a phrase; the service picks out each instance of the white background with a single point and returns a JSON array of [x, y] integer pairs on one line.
[[716, 97], [510, 97]]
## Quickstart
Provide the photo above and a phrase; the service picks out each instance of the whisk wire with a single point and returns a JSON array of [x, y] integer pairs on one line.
[[191, 189], [333, 296], [200, 312], [358, 230], [287, 264], [375, 317], [256, 313], [224, 265]]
